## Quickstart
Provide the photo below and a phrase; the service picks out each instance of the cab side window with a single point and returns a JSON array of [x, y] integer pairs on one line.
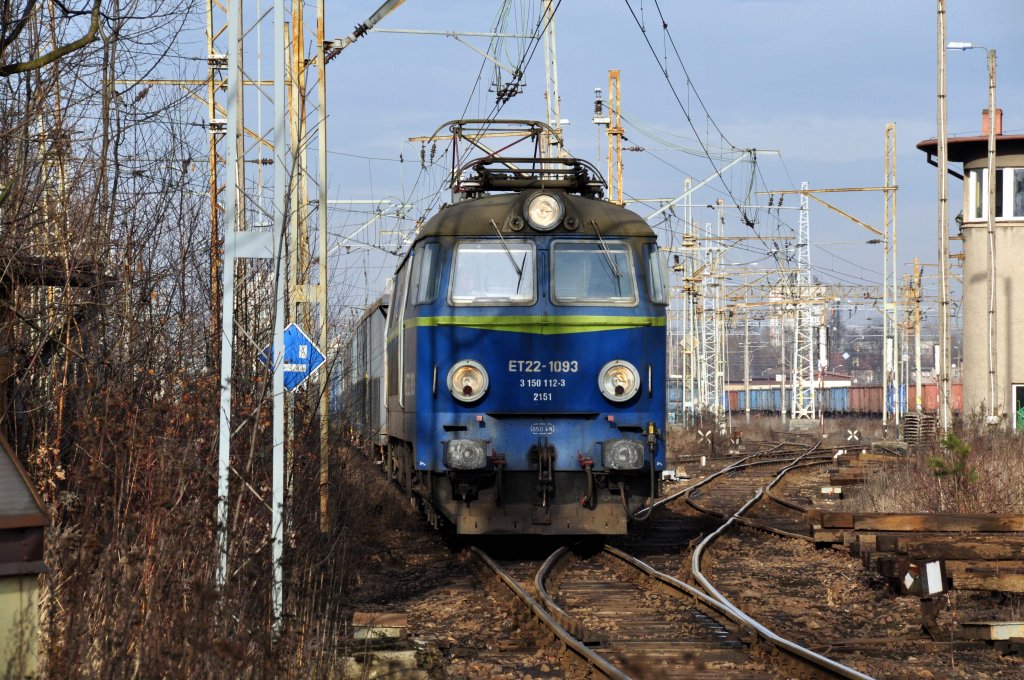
[[426, 273], [396, 321], [656, 276]]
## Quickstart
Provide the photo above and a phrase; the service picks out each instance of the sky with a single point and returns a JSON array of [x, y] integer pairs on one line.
[[815, 81]]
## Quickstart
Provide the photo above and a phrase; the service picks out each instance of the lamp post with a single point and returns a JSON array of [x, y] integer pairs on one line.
[[993, 417], [943, 229]]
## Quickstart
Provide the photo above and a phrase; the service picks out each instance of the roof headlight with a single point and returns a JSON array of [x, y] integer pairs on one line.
[[467, 380], [544, 212], [619, 380]]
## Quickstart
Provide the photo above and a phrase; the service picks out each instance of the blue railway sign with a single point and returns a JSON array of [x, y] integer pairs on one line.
[[301, 357]]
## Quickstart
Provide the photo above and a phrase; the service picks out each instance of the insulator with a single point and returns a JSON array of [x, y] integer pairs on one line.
[[433, 151]]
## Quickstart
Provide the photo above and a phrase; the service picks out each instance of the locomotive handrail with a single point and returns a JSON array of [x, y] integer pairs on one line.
[[570, 174]]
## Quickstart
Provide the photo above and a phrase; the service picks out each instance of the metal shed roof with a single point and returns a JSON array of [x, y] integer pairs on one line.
[[20, 507]]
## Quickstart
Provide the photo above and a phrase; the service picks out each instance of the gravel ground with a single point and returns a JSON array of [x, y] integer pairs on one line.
[[824, 599]]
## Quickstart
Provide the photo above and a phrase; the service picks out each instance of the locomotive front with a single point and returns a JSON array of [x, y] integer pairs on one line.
[[526, 359]]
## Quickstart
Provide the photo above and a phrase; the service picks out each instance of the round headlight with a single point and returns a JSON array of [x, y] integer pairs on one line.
[[619, 380], [544, 212], [467, 380]]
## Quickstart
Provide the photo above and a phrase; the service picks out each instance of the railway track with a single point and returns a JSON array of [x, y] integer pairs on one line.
[[682, 597], [620, 613]]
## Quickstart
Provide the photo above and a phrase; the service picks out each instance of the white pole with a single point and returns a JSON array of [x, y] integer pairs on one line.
[[282, 164], [944, 369], [232, 182], [992, 180]]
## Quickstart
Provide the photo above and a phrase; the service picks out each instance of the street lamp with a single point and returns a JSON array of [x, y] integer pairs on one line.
[[993, 417]]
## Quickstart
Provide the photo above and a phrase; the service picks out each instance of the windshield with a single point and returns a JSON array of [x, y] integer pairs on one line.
[[492, 272], [592, 272]]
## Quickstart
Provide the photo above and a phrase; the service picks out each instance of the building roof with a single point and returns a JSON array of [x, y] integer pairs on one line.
[[20, 507], [963, 149]]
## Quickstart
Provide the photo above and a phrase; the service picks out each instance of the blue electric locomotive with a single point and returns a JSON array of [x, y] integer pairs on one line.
[[526, 355]]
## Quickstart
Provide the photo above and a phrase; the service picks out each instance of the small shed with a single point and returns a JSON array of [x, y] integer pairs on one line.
[[23, 522]]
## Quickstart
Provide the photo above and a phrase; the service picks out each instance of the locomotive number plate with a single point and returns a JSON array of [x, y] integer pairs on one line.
[[540, 376], [532, 366]]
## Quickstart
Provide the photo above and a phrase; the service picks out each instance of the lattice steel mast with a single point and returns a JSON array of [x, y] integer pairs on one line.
[[805, 316]]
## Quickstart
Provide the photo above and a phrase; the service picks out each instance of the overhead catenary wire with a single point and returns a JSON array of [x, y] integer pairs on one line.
[[686, 113]]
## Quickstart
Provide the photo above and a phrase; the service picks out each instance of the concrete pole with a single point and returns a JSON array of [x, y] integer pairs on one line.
[[945, 394], [325, 373], [993, 413], [746, 367], [234, 178], [886, 329], [782, 363], [894, 273], [917, 335]]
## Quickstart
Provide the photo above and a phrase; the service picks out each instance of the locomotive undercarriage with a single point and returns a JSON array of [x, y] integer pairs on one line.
[[561, 502], [541, 501]]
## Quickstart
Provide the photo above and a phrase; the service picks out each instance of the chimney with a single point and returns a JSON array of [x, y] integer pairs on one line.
[[985, 121]]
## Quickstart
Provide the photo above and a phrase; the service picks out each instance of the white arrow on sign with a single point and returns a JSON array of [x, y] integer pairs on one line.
[[301, 357]]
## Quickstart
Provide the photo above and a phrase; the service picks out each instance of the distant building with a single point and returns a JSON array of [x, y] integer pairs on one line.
[[1008, 255]]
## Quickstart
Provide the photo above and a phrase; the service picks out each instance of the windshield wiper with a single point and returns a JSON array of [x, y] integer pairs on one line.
[[607, 252], [520, 268]]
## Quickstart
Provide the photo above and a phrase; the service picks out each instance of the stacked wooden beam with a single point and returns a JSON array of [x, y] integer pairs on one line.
[[1006, 636], [977, 552]]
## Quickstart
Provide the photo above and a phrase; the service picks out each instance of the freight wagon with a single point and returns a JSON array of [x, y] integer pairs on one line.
[[856, 400]]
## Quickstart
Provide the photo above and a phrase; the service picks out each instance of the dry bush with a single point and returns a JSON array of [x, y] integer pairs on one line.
[[935, 479], [111, 390]]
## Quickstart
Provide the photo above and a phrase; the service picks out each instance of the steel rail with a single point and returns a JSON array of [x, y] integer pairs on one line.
[[785, 502], [760, 463], [726, 469], [595, 660], [673, 583], [710, 598], [676, 585], [763, 632]]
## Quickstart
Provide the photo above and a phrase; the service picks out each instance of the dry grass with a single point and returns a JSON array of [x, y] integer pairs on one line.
[[934, 479]]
